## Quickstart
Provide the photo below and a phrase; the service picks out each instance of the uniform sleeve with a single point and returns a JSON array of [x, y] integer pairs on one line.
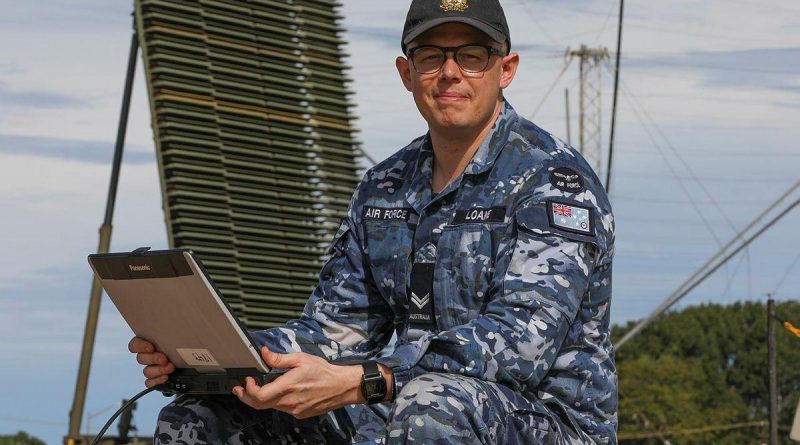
[[517, 338], [345, 317]]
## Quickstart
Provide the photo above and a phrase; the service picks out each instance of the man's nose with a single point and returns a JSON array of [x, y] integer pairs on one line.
[[450, 69]]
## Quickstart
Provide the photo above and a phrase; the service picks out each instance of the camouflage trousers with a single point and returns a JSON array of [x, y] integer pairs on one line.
[[431, 409]]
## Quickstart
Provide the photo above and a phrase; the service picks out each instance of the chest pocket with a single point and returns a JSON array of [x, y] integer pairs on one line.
[[388, 246], [465, 270]]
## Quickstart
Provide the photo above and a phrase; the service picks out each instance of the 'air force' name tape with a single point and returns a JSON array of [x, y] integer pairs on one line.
[[379, 214]]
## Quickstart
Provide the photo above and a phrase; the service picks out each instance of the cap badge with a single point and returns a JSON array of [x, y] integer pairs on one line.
[[454, 5]]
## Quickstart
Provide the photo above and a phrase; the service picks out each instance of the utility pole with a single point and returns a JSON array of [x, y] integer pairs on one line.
[[125, 424], [590, 104], [569, 128], [614, 100], [75, 414], [773, 373]]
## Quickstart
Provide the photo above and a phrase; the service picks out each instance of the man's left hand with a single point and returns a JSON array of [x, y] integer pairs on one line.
[[310, 387]]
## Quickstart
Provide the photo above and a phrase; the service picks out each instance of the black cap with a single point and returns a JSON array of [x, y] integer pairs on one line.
[[485, 15]]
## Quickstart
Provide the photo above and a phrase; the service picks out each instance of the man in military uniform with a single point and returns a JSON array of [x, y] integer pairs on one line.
[[485, 245]]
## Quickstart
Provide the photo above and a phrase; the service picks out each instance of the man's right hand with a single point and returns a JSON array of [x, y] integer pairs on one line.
[[157, 365]]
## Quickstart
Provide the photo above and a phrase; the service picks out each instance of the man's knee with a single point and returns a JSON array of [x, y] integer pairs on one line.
[[200, 420], [224, 419], [446, 392], [436, 407]]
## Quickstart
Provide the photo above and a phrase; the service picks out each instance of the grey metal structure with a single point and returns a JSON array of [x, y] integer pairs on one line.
[[590, 105], [254, 140]]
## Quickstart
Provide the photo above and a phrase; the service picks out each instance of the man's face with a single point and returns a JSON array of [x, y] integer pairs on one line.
[[451, 100]]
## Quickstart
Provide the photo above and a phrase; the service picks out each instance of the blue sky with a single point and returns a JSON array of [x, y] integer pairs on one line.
[[718, 81]]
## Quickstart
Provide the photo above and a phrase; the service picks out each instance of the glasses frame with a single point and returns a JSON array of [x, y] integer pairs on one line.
[[454, 50]]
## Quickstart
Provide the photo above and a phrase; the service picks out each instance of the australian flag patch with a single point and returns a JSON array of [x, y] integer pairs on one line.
[[571, 218]]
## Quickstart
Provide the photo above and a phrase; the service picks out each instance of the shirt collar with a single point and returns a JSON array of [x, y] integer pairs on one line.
[[419, 193], [493, 144]]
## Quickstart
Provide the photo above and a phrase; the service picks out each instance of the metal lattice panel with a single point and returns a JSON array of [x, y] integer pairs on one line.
[[255, 144]]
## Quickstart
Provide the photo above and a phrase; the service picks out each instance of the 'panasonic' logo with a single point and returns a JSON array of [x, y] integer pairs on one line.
[[142, 268]]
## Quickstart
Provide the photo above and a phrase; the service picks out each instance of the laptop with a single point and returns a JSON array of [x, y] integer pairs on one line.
[[168, 299]]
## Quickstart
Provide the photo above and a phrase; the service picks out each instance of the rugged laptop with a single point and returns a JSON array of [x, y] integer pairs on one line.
[[168, 298]]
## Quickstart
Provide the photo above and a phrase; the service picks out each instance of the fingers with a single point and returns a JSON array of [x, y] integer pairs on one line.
[[152, 358], [155, 371], [156, 381], [138, 345], [249, 394], [259, 397], [282, 361], [158, 366]]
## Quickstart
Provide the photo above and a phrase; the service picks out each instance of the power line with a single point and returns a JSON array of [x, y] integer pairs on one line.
[[703, 97], [32, 421], [550, 90], [605, 23], [690, 431], [681, 201], [761, 5], [535, 21], [571, 9], [729, 281], [749, 277], [728, 120], [685, 164], [707, 179], [715, 152], [669, 165], [692, 174], [715, 262], [694, 64], [785, 275], [710, 36]]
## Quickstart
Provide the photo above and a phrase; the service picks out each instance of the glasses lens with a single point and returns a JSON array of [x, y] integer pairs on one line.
[[472, 58], [427, 59]]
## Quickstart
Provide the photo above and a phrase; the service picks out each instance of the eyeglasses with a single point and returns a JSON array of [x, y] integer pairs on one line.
[[428, 59]]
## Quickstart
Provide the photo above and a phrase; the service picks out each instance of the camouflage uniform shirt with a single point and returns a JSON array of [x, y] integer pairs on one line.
[[519, 248]]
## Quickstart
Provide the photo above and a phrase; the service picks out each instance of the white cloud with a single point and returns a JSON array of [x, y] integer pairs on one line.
[[80, 49]]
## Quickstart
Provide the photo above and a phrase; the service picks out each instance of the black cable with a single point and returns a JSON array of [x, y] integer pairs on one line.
[[121, 410]]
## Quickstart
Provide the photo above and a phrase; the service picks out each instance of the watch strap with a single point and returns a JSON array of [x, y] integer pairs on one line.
[[371, 369], [373, 384]]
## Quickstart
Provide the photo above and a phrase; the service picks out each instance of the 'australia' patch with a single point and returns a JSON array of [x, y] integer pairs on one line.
[[566, 179], [381, 214], [420, 311], [571, 218], [480, 215]]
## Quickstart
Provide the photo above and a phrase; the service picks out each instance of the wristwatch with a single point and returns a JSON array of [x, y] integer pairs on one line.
[[373, 385]]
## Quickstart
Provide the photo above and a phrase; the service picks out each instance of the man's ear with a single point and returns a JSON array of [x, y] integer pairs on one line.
[[509, 66], [404, 70]]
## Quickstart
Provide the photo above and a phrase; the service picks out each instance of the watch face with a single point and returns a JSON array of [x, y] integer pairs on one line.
[[371, 387]]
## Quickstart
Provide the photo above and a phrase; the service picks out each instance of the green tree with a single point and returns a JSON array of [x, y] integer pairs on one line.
[[671, 393], [21, 438], [726, 347]]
